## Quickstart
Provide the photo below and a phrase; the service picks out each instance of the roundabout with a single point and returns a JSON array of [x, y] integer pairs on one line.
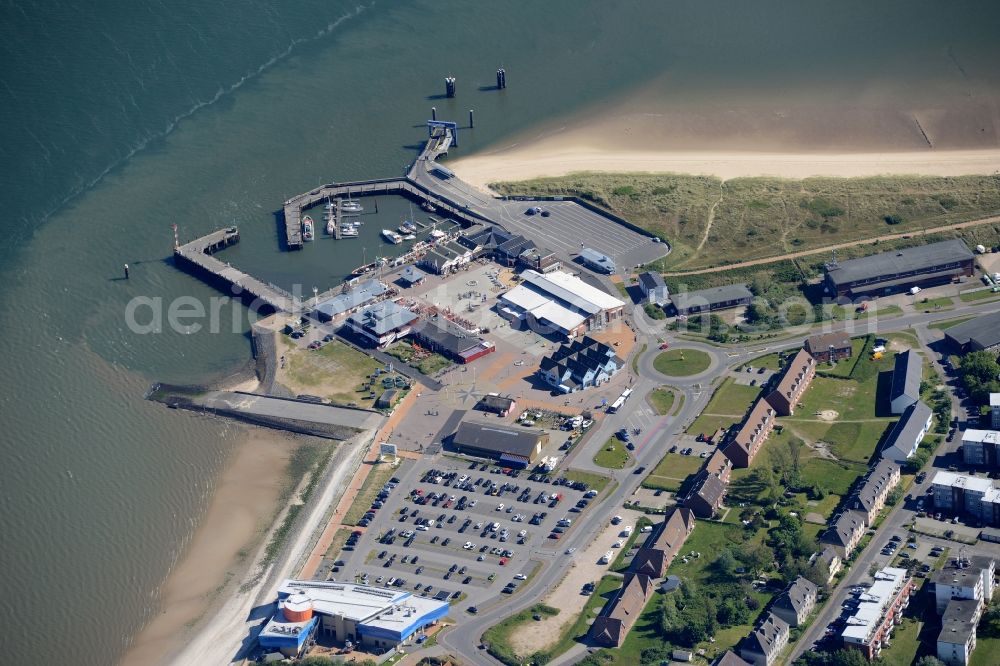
[[680, 362]]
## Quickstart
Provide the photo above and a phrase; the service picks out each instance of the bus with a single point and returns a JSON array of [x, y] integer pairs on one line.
[[620, 402]]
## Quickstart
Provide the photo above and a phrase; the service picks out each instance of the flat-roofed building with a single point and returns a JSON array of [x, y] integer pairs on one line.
[[539, 259], [963, 494], [580, 364], [752, 433], [663, 544], [621, 611], [845, 533], [383, 323], [906, 377], [654, 289], [977, 334], [794, 381], [995, 411], [377, 618], [965, 577], [559, 302], [349, 300], [957, 638], [981, 448], [899, 270], [764, 644], [510, 447], [909, 431], [829, 347], [795, 604], [707, 300], [879, 608], [871, 497]]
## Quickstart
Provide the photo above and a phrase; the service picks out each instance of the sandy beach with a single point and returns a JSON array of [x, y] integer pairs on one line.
[[793, 134], [538, 161], [241, 510]]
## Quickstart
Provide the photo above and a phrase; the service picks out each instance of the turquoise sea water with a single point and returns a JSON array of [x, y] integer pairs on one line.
[[119, 119]]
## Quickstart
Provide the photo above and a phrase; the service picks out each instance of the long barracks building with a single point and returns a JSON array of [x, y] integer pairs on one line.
[[899, 270]]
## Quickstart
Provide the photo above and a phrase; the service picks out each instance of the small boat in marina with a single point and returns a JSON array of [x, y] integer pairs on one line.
[[348, 231], [428, 206], [407, 227], [308, 228], [437, 234], [350, 206], [392, 236], [408, 237]]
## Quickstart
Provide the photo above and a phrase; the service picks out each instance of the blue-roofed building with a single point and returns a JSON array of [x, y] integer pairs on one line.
[[383, 323], [580, 364], [350, 300], [597, 261], [376, 618], [411, 275]]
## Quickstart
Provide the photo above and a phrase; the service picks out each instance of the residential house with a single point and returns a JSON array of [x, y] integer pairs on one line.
[[745, 445], [981, 448], [764, 644], [615, 620], [708, 489], [957, 638], [875, 489], [906, 374], [845, 533], [830, 561], [663, 544], [829, 347], [878, 611], [730, 658], [909, 431], [793, 383], [965, 577], [797, 601], [960, 493]]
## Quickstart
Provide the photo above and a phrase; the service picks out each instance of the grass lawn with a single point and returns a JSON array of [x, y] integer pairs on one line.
[[987, 649], [978, 295], [708, 424], [849, 441], [905, 644], [378, 474], [337, 543], [426, 362], [940, 303], [945, 325], [835, 476], [671, 471], [335, 371], [661, 400], [578, 630], [498, 636], [732, 399], [613, 455], [682, 362], [635, 358], [769, 361], [597, 482]]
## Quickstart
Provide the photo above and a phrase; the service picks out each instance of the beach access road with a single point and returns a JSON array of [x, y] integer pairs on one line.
[[225, 636]]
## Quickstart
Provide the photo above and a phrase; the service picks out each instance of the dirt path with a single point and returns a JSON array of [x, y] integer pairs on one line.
[[837, 246], [566, 595], [711, 218]]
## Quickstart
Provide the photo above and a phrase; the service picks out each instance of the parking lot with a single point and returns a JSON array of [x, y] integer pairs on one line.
[[442, 535]]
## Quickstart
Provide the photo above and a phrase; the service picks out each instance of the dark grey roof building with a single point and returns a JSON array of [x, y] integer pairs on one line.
[[908, 432], [713, 298], [446, 341], [765, 643], [797, 601], [976, 334], [654, 288], [899, 270], [512, 447], [906, 376], [957, 638]]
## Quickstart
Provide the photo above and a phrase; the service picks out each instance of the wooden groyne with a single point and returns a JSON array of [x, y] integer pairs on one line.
[[197, 255]]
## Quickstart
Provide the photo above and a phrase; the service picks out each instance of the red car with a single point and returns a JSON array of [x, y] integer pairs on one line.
[[664, 345], [503, 561]]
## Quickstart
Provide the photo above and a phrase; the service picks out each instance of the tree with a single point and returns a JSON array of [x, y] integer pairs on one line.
[[928, 660], [895, 495], [725, 563], [979, 371], [893, 219], [756, 557]]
